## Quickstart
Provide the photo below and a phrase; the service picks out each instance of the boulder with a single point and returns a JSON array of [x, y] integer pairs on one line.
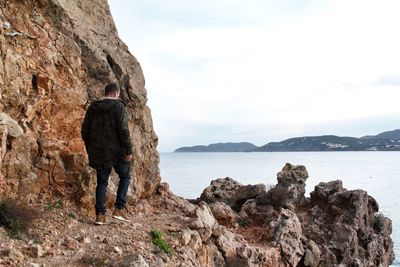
[[288, 236], [312, 256], [292, 180], [231, 192], [13, 128], [224, 214], [203, 212], [323, 191], [347, 228], [222, 189]]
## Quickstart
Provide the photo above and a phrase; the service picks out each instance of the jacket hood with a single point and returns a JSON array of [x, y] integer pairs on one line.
[[104, 105]]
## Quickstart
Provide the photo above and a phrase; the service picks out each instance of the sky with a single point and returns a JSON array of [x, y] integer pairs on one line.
[[265, 70]]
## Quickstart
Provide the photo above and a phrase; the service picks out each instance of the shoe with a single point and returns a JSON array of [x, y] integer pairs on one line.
[[100, 219], [119, 214]]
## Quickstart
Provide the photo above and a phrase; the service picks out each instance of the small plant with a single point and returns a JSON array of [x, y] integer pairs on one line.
[[56, 205], [15, 219], [159, 241], [171, 233], [82, 220], [72, 215], [242, 222]]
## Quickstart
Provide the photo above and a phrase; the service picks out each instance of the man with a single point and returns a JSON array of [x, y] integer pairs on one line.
[[107, 140]]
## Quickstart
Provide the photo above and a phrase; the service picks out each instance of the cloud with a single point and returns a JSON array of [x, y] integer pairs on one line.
[[390, 80], [269, 68]]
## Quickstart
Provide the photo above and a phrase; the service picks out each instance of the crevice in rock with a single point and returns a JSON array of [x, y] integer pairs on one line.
[[34, 82], [117, 70], [127, 86]]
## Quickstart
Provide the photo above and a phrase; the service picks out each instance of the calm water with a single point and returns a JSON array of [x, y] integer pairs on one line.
[[376, 172]]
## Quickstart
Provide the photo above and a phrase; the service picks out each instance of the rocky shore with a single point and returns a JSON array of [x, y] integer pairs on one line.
[[55, 58], [229, 225]]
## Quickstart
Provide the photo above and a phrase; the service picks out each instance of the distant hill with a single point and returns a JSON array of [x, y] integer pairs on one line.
[[392, 135], [386, 141], [220, 147], [332, 143]]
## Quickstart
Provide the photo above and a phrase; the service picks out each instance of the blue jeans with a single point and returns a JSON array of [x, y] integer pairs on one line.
[[122, 168]]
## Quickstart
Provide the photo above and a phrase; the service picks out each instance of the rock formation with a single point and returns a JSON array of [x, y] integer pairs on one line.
[[334, 227], [56, 57]]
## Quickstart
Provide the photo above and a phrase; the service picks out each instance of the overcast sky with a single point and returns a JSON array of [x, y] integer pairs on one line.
[[265, 70]]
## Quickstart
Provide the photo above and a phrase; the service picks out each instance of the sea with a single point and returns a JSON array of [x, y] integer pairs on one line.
[[378, 173]]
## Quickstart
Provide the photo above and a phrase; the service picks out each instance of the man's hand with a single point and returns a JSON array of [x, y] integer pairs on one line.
[[128, 157]]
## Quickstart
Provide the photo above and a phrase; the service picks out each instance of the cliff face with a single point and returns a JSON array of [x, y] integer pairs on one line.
[[56, 57]]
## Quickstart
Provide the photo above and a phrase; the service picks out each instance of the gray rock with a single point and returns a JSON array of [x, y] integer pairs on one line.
[[312, 256], [6, 25], [231, 192], [323, 191], [347, 228], [288, 236], [205, 215], [13, 128], [292, 179]]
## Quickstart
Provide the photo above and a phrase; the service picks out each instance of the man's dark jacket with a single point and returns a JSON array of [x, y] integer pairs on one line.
[[105, 133]]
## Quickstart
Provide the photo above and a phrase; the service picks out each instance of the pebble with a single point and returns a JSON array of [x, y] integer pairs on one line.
[[85, 240], [6, 25], [118, 250], [71, 243], [37, 251]]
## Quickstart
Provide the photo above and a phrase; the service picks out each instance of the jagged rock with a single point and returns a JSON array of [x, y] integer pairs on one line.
[[13, 128], [238, 253], [277, 197], [195, 241], [222, 189], [210, 256], [293, 180], [347, 228], [323, 191], [185, 237], [195, 223], [47, 83], [230, 192], [312, 256], [288, 236], [205, 215], [254, 214], [224, 214]]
